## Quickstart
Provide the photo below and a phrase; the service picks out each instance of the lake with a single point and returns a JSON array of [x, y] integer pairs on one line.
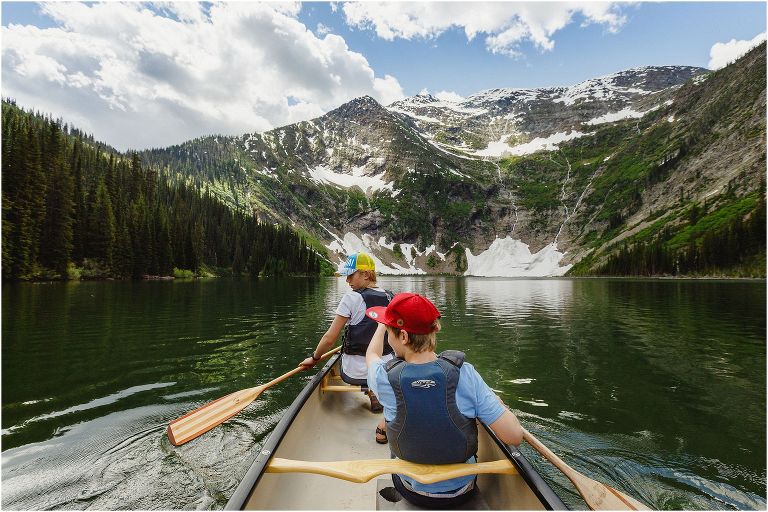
[[657, 387]]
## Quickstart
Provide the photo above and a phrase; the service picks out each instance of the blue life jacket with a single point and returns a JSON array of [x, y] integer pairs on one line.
[[428, 427], [357, 337]]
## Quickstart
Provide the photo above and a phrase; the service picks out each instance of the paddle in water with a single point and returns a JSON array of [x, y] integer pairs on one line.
[[200, 421], [598, 496]]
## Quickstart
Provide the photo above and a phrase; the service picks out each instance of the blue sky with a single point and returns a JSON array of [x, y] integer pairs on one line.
[[680, 33], [141, 75]]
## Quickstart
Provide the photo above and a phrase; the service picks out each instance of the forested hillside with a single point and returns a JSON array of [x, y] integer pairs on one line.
[[73, 208], [687, 195]]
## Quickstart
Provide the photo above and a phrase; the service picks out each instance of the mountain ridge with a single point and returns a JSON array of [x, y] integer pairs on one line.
[[549, 180], [445, 180]]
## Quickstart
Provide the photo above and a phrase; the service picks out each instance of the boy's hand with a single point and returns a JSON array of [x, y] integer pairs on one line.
[[308, 363]]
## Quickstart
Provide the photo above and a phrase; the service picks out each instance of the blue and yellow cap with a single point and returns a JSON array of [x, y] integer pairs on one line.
[[355, 262]]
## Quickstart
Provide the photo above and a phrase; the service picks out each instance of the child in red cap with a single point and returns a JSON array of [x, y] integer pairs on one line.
[[442, 395]]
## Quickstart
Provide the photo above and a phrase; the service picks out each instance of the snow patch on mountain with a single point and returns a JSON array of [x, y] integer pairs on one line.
[[351, 243], [369, 184], [607, 87], [433, 249], [507, 257], [448, 149], [700, 78], [426, 101], [497, 95], [410, 114], [550, 143], [612, 117]]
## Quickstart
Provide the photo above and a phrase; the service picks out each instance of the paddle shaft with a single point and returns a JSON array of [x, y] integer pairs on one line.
[[550, 456], [361, 471], [598, 496], [203, 419]]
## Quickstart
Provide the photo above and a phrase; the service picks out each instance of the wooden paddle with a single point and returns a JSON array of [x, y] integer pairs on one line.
[[200, 421], [361, 471], [598, 496]]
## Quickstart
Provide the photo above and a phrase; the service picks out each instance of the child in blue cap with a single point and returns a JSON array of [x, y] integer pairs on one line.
[[360, 272]]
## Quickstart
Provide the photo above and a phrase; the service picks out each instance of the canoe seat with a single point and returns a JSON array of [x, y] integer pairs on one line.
[[334, 383], [387, 498]]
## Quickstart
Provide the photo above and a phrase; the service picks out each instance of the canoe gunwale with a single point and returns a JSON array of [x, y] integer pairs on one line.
[[259, 465], [250, 481], [536, 483]]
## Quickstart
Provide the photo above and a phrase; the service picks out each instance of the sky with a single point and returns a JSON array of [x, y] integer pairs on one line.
[[142, 75]]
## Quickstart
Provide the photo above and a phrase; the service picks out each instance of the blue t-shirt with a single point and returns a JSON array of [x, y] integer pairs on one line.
[[473, 397]]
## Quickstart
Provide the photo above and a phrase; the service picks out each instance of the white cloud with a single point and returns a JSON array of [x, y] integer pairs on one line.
[[722, 54], [449, 96], [323, 29], [505, 24], [136, 77]]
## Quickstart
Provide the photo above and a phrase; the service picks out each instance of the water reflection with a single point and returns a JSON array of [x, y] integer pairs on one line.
[[656, 387], [515, 300]]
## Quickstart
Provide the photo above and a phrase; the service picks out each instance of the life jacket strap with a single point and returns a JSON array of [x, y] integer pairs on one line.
[[455, 357]]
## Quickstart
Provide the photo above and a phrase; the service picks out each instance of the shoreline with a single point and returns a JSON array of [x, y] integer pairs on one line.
[[515, 278]]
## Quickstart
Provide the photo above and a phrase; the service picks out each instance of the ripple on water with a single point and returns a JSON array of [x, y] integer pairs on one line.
[[693, 490], [116, 462], [535, 402], [32, 402], [194, 392], [98, 402], [520, 381], [575, 416]]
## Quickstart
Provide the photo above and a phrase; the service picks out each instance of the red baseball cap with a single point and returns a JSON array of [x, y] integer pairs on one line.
[[408, 311]]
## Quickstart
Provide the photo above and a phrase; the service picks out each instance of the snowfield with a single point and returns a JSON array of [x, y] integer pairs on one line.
[[369, 184], [550, 143], [506, 257]]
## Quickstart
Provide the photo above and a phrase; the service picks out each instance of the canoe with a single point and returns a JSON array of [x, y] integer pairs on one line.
[[330, 421]]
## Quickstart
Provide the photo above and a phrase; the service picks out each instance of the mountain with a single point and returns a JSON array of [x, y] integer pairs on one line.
[[508, 181], [491, 123]]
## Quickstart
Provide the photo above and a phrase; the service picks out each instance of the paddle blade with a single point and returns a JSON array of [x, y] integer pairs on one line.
[[629, 500], [200, 421], [604, 497], [598, 496]]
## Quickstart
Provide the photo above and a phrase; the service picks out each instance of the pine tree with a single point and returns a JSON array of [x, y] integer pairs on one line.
[[140, 238], [56, 241], [79, 223], [122, 256], [163, 244], [13, 207], [101, 225], [238, 262]]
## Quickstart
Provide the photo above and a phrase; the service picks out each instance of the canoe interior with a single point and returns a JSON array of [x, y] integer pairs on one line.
[[333, 425]]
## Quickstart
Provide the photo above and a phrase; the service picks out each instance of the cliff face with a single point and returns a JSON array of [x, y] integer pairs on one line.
[[538, 179]]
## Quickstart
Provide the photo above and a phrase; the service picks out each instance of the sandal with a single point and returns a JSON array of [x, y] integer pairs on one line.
[[381, 432]]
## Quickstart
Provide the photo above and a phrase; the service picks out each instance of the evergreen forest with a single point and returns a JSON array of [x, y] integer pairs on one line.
[[73, 208], [724, 242]]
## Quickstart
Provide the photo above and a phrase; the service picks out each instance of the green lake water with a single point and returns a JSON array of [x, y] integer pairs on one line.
[[657, 387]]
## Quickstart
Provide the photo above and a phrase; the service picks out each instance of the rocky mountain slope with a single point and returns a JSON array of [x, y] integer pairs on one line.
[[501, 121], [506, 182]]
